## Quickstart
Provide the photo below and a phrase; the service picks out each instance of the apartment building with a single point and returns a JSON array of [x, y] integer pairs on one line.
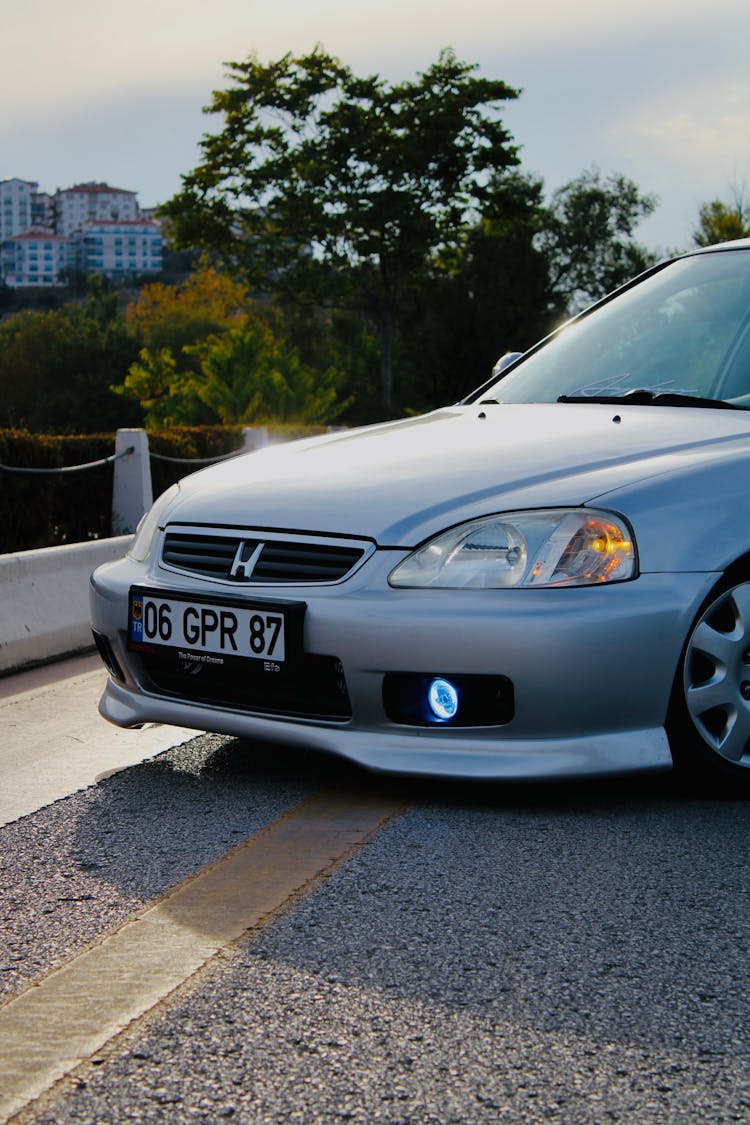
[[91, 227], [42, 211], [35, 257], [15, 206], [116, 248], [76, 207]]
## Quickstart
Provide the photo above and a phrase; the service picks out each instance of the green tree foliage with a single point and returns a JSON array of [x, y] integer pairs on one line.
[[56, 367], [168, 321], [522, 268], [722, 222], [342, 339], [173, 316], [341, 189], [211, 353], [165, 394], [492, 296], [588, 236], [247, 375]]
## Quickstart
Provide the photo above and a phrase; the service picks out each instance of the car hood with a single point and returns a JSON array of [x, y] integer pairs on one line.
[[398, 483]]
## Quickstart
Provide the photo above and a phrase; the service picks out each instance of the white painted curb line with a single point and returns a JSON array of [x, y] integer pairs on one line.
[[44, 600]]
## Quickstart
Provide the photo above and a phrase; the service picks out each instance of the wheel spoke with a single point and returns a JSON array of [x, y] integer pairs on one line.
[[705, 697], [719, 647], [733, 742], [716, 676], [741, 599]]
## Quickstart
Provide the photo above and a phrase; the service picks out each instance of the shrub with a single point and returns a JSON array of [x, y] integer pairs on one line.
[[40, 510]]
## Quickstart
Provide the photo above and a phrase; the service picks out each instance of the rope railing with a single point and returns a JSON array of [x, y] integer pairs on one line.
[[62, 469], [116, 457], [196, 460], [132, 487]]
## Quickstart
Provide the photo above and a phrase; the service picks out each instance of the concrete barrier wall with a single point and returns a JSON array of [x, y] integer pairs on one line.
[[44, 606], [44, 600]]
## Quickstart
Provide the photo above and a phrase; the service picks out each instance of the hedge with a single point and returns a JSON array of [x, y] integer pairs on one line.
[[44, 511]]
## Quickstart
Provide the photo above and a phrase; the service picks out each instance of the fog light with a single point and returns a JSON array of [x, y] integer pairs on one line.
[[443, 699], [414, 698]]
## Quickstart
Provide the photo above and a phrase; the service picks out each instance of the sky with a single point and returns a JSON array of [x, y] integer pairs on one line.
[[656, 89]]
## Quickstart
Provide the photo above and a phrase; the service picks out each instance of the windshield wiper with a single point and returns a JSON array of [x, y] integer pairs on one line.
[[643, 397]]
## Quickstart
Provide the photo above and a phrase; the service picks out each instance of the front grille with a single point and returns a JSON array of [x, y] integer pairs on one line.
[[200, 554], [259, 559], [313, 687]]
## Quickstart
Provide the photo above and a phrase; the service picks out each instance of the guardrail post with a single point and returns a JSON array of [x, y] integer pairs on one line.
[[131, 492], [254, 437]]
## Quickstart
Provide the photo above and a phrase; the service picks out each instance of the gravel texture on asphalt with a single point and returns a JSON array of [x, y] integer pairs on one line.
[[75, 870], [496, 955]]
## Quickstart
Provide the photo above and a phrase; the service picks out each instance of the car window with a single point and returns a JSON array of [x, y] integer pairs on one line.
[[734, 384], [683, 330]]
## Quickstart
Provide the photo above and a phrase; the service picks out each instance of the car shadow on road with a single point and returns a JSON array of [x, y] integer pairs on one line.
[[585, 876], [614, 909], [148, 827]]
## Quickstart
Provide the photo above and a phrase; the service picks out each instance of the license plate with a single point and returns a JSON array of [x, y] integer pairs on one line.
[[220, 627]]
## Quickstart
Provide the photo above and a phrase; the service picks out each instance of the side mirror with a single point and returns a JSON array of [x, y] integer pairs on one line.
[[504, 362]]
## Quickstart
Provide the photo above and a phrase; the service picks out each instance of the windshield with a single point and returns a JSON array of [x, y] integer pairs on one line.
[[684, 330]]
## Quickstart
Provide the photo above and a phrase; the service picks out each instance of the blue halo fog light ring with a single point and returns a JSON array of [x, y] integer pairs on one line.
[[442, 697]]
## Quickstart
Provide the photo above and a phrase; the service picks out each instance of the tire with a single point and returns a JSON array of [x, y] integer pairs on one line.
[[708, 723]]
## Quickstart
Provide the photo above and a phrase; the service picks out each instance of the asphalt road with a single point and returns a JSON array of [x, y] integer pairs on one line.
[[495, 954], [54, 741]]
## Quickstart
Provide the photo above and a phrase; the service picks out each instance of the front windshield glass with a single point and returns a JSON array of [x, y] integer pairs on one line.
[[685, 330]]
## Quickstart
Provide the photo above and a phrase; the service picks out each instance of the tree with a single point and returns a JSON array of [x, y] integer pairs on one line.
[[521, 269], [723, 222], [56, 367], [165, 394], [168, 321], [211, 352], [247, 375], [588, 236], [494, 295], [342, 339], [339, 189], [244, 374], [173, 316]]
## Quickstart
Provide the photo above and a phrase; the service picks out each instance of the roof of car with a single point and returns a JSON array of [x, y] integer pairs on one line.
[[736, 244]]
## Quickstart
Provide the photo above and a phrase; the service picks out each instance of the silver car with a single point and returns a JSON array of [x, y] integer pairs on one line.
[[548, 579]]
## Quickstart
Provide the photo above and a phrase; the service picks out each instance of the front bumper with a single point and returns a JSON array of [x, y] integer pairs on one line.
[[591, 670]]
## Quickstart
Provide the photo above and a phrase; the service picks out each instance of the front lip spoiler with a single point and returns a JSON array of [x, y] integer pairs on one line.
[[406, 751]]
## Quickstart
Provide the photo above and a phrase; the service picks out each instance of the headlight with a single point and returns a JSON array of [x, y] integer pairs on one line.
[[561, 547], [147, 528]]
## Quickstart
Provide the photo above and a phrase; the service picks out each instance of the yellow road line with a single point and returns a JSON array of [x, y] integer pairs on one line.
[[68, 1016]]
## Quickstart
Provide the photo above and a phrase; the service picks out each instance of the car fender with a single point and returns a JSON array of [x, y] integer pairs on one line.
[[692, 518]]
